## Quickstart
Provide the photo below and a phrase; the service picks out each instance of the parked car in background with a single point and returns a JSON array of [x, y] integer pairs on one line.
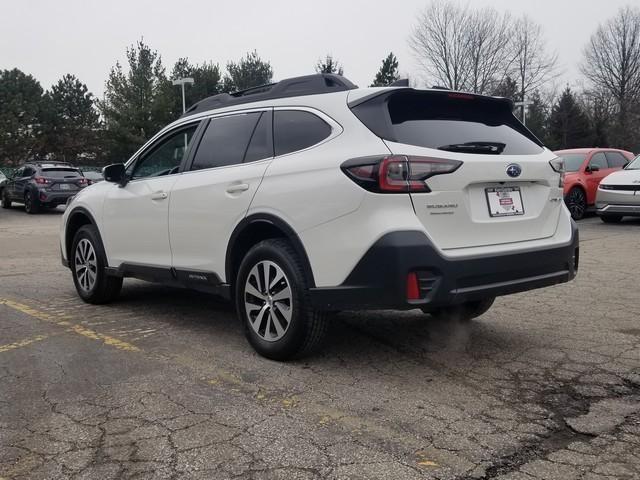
[[584, 169], [42, 185], [619, 194], [312, 195], [93, 177]]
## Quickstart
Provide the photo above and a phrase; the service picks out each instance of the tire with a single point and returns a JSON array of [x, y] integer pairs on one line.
[[576, 202], [278, 325], [87, 248], [31, 204], [6, 201], [611, 218], [464, 312]]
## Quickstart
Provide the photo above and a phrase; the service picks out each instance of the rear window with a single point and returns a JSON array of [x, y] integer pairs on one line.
[[448, 121], [61, 173], [616, 159], [573, 161]]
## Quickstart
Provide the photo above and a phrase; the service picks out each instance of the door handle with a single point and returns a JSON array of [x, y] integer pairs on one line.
[[237, 187], [159, 195]]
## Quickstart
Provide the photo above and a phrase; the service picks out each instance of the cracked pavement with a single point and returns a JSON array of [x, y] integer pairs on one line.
[[162, 384]]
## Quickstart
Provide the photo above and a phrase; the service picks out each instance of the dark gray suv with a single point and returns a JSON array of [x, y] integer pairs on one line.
[[42, 185]]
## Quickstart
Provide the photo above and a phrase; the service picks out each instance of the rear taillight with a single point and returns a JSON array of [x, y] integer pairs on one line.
[[42, 181], [397, 173], [558, 166], [83, 182]]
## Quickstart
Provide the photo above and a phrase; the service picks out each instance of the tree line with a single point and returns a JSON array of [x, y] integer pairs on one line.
[[67, 122], [485, 51], [480, 50]]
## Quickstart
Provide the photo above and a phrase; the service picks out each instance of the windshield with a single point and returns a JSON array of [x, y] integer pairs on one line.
[[573, 161], [634, 165], [61, 173]]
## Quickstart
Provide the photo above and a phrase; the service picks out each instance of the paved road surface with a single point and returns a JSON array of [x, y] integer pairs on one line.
[[162, 384]]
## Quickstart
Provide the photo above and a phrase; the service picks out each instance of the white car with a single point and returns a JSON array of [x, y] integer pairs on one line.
[[311, 196], [618, 194]]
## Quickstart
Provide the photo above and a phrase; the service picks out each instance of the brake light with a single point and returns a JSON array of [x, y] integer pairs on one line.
[[84, 181], [397, 173], [42, 181], [557, 164]]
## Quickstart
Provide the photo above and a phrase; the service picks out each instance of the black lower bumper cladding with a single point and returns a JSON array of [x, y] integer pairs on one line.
[[379, 279]]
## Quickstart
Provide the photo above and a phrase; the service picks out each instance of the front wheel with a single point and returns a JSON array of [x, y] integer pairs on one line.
[[88, 261], [576, 201], [465, 311], [273, 302], [6, 201], [611, 218]]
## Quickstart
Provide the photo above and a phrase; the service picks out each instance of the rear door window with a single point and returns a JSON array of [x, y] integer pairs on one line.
[[295, 130], [448, 121], [225, 141], [616, 159]]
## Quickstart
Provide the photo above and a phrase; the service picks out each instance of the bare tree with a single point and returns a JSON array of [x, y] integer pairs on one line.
[[490, 49], [612, 64], [533, 66], [440, 43]]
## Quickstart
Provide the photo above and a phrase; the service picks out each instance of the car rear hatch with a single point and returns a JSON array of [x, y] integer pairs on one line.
[[503, 191], [60, 179]]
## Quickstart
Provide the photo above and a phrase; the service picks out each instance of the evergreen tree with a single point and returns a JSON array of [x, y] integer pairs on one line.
[[250, 71], [137, 102], [537, 116], [329, 65], [568, 124], [507, 88], [206, 82], [70, 121], [20, 116], [388, 72]]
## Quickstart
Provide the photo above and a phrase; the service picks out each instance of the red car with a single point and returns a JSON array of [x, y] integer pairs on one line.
[[584, 169]]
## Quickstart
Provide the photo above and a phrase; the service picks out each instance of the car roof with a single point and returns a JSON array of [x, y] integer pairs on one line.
[[591, 150]]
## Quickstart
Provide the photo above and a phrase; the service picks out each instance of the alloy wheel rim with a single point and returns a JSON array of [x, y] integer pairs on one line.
[[576, 201], [268, 300], [86, 265]]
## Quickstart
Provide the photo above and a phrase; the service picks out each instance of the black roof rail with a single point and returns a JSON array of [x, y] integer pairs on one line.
[[290, 87]]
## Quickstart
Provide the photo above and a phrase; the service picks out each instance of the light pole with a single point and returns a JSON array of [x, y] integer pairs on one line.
[[182, 82], [524, 104]]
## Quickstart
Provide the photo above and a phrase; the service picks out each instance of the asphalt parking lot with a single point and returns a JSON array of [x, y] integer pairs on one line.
[[162, 384]]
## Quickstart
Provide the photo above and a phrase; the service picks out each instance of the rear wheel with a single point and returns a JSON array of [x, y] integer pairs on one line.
[[465, 311], [273, 302], [611, 218], [576, 201], [31, 204], [88, 261], [6, 201]]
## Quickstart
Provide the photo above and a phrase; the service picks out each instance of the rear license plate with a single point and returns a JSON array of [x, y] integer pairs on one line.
[[504, 201], [65, 186]]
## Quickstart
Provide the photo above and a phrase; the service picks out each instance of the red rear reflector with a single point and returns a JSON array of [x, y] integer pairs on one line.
[[413, 290]]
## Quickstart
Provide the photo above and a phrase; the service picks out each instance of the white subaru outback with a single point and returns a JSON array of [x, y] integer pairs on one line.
[[312, 195]]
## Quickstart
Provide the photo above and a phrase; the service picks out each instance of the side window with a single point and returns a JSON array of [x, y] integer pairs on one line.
[[295, 130], [599, 160], [225, 140], [616, 159], [28, 171], [165, 157]]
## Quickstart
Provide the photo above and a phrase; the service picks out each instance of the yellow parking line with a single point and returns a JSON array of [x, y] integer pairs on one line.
[[63, 321], [22, 343]]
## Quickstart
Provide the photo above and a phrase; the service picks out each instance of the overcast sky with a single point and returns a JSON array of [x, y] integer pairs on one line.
[[86, 37]]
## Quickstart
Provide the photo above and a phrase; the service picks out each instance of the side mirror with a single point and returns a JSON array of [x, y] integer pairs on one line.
[[592, 168], [115, 173]]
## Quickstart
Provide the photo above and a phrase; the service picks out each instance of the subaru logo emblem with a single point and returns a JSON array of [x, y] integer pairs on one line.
[[514, 170]]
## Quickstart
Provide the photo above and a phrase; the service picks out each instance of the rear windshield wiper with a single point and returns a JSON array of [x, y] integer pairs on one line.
[[490, 148]]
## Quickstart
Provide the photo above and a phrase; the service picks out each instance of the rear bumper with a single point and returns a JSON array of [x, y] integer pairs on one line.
[[379, 280], [55, 198]]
